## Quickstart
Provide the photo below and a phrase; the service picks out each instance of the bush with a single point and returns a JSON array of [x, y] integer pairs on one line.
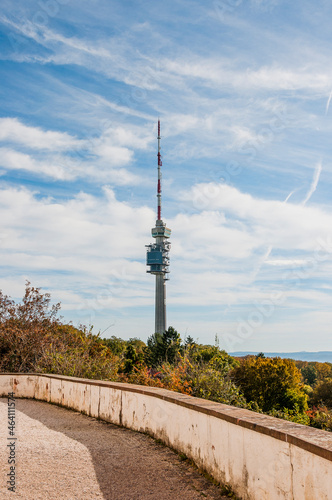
[[295, 415], [320, 418], [32, 338], [26, 329], [208, 383]]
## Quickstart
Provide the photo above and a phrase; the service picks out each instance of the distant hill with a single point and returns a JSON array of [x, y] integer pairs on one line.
[[321, 356]]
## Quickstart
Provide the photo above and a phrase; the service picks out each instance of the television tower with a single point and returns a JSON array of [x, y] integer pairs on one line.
[[157, 257]]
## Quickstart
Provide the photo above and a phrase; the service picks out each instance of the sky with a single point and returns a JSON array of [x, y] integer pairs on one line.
[[243, 90]]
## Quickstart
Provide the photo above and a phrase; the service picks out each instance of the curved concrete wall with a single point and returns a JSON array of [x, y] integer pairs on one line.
[[261, 457]]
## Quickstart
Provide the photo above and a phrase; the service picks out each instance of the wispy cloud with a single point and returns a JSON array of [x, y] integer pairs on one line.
[[314, 183]]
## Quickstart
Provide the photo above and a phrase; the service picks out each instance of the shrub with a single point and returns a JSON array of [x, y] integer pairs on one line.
[[321, 418], [295, 415], [32, 338]]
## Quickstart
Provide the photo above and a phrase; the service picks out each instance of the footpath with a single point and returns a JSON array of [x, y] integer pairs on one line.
[[64, 455]]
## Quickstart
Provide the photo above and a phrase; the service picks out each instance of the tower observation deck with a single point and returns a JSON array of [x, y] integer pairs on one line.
[[157, 256]]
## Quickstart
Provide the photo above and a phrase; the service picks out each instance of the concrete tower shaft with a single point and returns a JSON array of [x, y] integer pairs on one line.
[[157, 257], [160, 304]]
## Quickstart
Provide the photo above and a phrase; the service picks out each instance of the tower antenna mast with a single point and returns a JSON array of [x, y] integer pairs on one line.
[[159, 174], [157, 257]]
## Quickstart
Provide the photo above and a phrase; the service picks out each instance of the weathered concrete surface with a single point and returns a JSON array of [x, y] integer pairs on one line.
[[64, 455]]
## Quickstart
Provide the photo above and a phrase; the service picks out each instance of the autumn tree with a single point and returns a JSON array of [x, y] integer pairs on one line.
[[273, 383], [324, 370]]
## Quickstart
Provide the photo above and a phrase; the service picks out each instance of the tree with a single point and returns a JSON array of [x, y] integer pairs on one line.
[[309, 374], [163, 347], [130, 359], [324, 370], [212, 355], [189, 341], [322, 394], [134, 355], [115, 344], [273, 383]]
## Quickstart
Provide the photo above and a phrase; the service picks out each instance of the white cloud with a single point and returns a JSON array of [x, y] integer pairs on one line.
[[283, 225], [286, 262], [62, 157], [207, 237], [90, 246], [114, 155], [14, 160], [12, 130]]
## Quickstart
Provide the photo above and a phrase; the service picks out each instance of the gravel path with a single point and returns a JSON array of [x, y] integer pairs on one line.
[[63, 455]]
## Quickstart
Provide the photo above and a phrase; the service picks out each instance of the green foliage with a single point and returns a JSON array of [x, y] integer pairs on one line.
[[116, 345], [296, 415], [163, 347], [219, 359], [134, 356], [208, 375], [309, 374], [294, 399], [273, 383], [209, 383], [322, 394]]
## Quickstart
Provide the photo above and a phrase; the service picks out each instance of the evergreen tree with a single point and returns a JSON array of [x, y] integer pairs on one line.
[[163, 347]]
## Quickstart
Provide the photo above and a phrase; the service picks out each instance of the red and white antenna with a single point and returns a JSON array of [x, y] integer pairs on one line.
[[159, 174]]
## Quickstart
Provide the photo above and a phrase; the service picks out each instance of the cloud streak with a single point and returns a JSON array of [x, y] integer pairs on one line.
[[314, 183]]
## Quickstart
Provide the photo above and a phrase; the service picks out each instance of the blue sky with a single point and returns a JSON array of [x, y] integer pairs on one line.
[[243, 91]]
